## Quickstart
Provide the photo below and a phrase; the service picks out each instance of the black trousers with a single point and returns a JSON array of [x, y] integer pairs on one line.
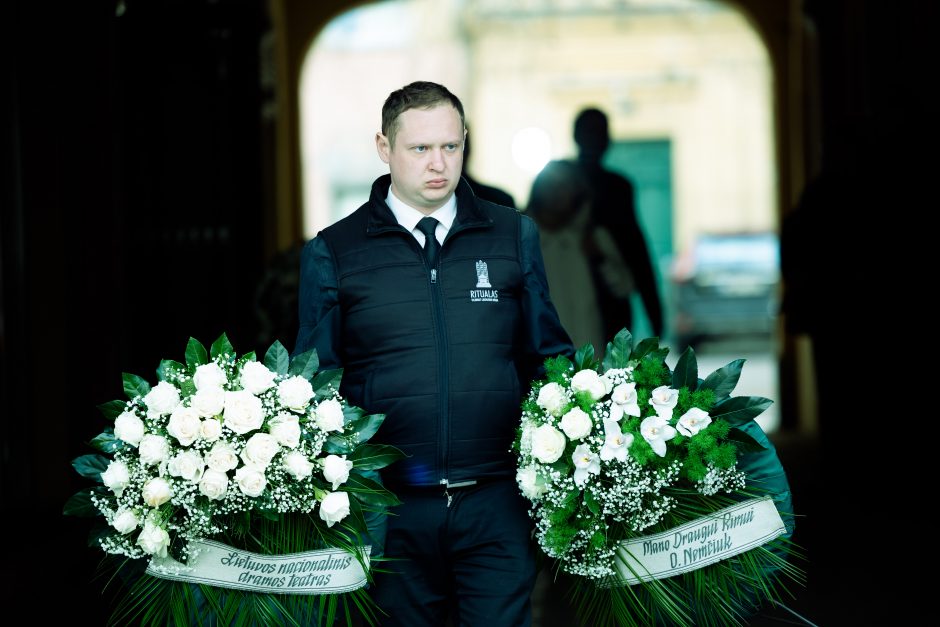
[[466, 563]]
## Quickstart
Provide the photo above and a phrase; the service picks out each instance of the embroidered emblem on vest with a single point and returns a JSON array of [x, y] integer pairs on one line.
[[483, 281]]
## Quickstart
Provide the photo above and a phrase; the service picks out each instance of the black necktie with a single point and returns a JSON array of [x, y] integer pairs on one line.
[[431, 246]]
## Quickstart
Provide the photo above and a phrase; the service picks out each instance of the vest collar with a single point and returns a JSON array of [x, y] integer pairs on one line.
[[381, 219]]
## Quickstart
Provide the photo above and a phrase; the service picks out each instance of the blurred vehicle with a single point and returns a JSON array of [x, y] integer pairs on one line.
[[726, 286]]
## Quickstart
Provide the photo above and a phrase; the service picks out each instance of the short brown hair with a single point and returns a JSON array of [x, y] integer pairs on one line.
[[417, 95]]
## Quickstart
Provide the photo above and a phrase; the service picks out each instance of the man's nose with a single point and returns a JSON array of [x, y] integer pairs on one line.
[[436, 160]]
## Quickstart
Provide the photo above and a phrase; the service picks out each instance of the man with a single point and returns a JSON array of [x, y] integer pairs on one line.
[[613, 202], [480, 189], [443, 336]]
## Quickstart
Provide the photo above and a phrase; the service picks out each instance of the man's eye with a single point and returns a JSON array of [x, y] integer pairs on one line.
[[420, 148], [450, 147]]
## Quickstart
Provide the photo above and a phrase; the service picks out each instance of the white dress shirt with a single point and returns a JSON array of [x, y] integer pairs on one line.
[[409, 217]]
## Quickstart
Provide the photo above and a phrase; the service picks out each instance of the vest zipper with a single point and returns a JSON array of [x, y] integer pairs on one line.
[[440, 333]]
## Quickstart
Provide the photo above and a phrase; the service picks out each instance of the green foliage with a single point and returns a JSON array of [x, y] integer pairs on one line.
[[724, 380], [195, 354], [305, 365], [106, 442], [169, 370], [277, 359], [556, 368], [584, 358], [91, 466], [685, 374], [80, 504], [112, 409], [222, 347], [738, 410], [135, 386], [619, 351]]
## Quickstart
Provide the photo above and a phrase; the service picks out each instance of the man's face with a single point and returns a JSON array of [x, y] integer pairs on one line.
[[427, 158]]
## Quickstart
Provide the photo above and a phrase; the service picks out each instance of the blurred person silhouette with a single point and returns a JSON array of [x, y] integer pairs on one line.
[[614, 207], [481, 190], [582, 260]]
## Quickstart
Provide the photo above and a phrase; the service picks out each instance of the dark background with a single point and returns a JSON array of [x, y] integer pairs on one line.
[[136, 201]]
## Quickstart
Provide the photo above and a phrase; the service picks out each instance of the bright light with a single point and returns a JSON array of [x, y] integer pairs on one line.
[[531, 149]]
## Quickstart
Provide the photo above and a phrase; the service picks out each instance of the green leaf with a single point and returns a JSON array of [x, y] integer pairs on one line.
[[321, 382], [135, 386], [745, 441], [375, 456], [740, 409], [584, 358], [365, 427], [305, 364], [646, 347], [112, 409], [106, 442], [79, 504], [195, 353], [222, 347], [169, 369], [686, 371], [91, 466], [244, 359], [619, 350], [277, 359], [369, 492], [591, 502], [723, 380]]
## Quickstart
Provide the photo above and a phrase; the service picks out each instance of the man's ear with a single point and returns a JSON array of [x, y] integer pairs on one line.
[[382, 146]]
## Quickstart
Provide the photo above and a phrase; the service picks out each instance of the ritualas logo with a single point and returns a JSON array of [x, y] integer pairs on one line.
[[484, 291]]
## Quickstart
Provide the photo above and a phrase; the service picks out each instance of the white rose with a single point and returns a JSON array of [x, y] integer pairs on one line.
[[693, 421], [576, 423], [154, 449], [548, 443], [329, 415], [189, 465], [256, 377], [162, 398], [184, 425], [295, 393], [210, 429], [116, 477], [125, 521], [260, 450], [154, 539], [286, 429], [222, 457], [334, 507], [208, 401], [129, 428], [592, 383], [552, 398], [297, 465], [209, 376], [250, 480], [336, 469], [214, 484], [664, 399], [243, 412], [156, 492], [530, 483]]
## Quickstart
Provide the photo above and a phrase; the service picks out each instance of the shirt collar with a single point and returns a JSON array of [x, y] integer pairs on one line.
[[409, 217]]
